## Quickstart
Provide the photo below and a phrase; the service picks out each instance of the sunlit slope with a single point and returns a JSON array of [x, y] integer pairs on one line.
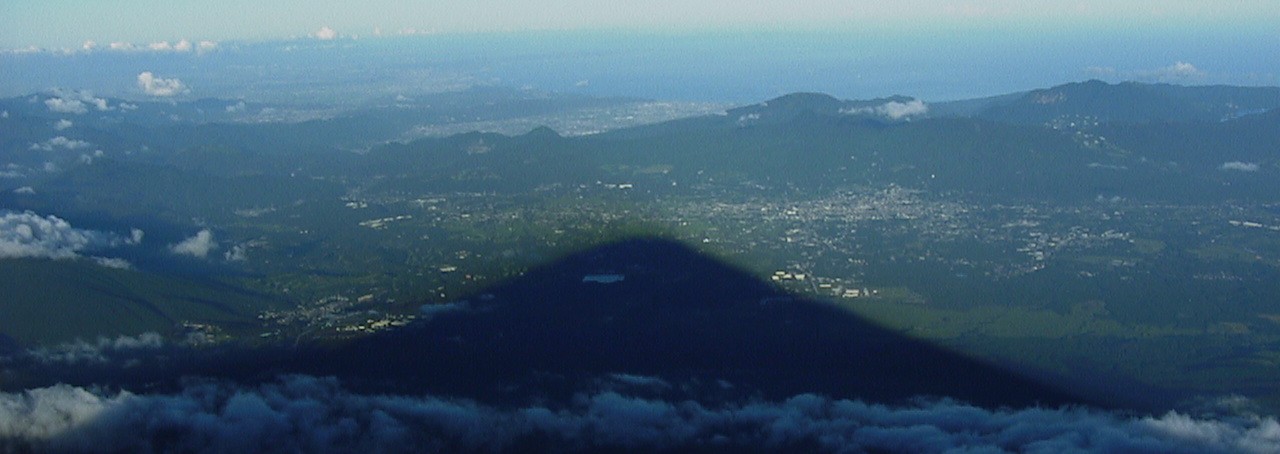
[[50, 301]]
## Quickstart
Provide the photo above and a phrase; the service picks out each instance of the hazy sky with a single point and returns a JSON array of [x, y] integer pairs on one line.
[[69, 23]]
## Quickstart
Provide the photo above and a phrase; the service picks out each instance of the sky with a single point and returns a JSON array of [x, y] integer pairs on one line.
[[70, 23]]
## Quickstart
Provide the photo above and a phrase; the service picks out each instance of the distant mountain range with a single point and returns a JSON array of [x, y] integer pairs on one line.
[[1128, 102], [1076, 141]]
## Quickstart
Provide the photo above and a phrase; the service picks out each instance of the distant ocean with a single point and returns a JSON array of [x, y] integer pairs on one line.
[[734, 67]]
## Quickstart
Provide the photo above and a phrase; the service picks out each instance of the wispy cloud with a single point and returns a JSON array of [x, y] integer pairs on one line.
[[308, 414], [181, 46], [1239, 166], [1179, 71], [155, 86], [60, 142], [237, 253], [98, 351]]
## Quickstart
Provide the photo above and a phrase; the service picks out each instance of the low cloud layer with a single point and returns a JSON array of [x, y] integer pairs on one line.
[[892, 110], [1239, 166], [197, 246], [155, 86], [308, 414]]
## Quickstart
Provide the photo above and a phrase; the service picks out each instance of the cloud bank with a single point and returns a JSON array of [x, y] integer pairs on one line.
[[197, 246], [892, 110], [155, 86], [308, 414]]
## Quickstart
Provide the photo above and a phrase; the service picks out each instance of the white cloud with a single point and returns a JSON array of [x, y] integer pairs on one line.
[[1180, 70], [237, 107], [892, 110], [155, 86], [60, 142], [135, 236], [63, 124], [1239, 166], [325, 34], [25, 190], [73, 106], [4, 114], [305, 414], [897, 110], [75, 102], [29, 235], [197, 246], [180, 46], [1176, 72]]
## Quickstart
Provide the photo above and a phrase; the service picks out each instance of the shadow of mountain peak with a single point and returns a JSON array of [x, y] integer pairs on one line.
[[657, 308], [643, 311]]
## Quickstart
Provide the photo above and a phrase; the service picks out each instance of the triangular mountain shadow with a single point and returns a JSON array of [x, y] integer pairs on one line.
[[675, 314], [685, 322]]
